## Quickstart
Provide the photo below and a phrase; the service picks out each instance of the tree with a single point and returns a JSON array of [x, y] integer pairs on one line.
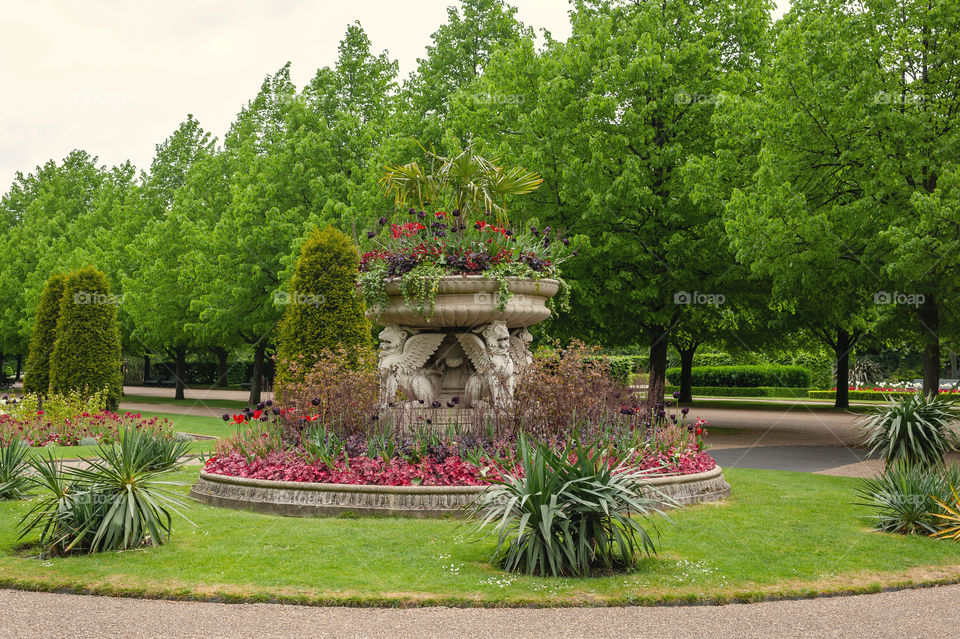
[[87, 354], [324, 311], [37, 379]]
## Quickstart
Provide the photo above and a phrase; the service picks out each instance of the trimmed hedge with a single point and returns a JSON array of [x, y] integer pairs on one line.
[[324, 310], [712, 359], [622, 367], [741, 376], [872, 394], [37, 376], [741, 391], [87, 355]]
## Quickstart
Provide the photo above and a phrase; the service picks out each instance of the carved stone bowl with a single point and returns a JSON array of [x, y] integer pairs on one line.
[[471, 300]]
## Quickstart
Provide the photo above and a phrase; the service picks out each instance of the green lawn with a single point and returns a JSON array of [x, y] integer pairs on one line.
[[773, 403], [170, 401], [780, 534]]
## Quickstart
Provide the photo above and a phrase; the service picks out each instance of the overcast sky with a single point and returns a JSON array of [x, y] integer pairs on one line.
[[116, 77]]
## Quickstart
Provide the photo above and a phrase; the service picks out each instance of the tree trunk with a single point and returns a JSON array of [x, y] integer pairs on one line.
[[259, 354], [221, 354], [953, 366], [3, 371], [658, 369], [929, 328], [19, 366], [686, 373], [842, 353], [146, 366], [180, 362]]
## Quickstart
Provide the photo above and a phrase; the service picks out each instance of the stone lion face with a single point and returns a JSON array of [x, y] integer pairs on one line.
[[497, 337], [391, 340]]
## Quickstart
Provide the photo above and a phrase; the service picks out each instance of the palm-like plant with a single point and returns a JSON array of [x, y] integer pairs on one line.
[[949, 519], [906, 498], [13, 469], [467, 181], [917, 429], [569, 513], [116, 502]]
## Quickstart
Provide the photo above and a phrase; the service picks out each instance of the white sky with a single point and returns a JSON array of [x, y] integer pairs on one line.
[[116, 77]]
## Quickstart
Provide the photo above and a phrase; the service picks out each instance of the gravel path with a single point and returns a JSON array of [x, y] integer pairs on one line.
[[909, 613]]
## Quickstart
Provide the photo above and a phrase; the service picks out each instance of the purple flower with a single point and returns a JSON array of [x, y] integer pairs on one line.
[[456, 212], [383, 221], [436, 404], [685, 410], [566, 241], [371, 234], [421, 215], [225, 417], [315, 401], [676, 394]]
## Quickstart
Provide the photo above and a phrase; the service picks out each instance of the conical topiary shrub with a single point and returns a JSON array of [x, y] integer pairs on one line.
[[87, 354], [37, 376], [324, 310]]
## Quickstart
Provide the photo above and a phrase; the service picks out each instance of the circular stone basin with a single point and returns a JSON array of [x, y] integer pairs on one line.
[[302, 499], [471, 300]]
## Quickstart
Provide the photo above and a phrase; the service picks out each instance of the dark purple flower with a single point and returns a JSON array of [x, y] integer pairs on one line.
[[225, 417], [420, 400], [456, 212], [626, 411], [676, 394], [269, 402], [685, 410], [276, 410], [411, 211], [421, 215], [383, 221], [451, 404], [371, 234], [436, 404], [566, 241], [260, 406], [315, 401]]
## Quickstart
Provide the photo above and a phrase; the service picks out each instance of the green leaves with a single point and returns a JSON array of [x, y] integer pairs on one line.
[[14, 481], [116, 502], [916, 430], [569, 512]]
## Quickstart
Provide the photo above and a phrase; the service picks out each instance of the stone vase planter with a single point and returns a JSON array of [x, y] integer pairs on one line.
[[465, 301], [464, 347]]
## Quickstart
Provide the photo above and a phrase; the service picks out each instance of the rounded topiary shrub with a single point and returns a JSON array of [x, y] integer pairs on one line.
[[87, 353], [37, 376], [324, 311]]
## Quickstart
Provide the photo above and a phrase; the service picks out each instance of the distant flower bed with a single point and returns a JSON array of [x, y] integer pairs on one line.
[[53, 422]]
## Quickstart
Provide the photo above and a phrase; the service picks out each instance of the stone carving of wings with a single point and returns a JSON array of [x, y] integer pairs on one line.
[[418, 349], [518, 351], [475, 349]]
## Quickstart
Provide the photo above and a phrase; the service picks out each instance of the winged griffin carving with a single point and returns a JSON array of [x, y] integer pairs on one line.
[[403, 355], [493, 378]]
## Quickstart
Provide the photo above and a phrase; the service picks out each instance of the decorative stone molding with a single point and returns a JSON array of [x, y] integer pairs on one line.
[[300, 499], [466, 348]]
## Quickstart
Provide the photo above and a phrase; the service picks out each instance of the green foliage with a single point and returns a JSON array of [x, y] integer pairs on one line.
[[948, 521], [875, 395], [623, 367], [37, 376], [712, 359], [789, 376], [905, 498], [87, 355], [118, 502], [566, 517], [740, 391], [324, 310], [917, 430], [13, 469]]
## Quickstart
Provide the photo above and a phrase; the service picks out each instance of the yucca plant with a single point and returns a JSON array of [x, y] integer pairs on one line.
[[116, 502], [905, 499], [166, 453], [570, 513], [917, 429], [949, 519], [14, 481]]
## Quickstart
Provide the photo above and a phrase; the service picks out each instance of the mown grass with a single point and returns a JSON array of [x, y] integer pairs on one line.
[[780, 534], [232, 404]]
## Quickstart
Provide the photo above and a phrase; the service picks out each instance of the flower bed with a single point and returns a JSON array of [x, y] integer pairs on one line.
[[452, 471], [54, 423]]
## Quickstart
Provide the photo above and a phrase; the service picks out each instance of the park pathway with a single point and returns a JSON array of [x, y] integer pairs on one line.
[[928, 612]]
